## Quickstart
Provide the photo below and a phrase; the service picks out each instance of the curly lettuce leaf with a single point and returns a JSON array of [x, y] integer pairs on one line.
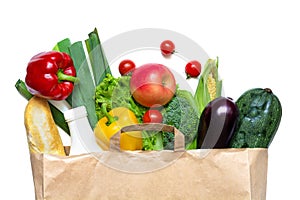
[[115, 92]]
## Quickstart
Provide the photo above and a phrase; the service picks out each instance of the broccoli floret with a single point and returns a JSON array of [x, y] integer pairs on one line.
[[182, 113]]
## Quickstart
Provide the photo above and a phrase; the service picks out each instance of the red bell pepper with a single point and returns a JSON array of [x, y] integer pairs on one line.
[[51, 75]]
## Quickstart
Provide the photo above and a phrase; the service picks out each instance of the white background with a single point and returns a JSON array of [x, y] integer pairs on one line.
[[258, 44]]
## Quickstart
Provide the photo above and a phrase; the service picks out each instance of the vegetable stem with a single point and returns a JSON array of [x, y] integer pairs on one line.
[[133, 105], [21, 87], [64, 77], [110, 118]]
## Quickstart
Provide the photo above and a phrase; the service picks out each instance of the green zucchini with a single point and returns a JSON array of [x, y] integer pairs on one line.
[[260, 115]]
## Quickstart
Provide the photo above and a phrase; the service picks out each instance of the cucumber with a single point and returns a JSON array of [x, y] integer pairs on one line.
[[259, 119]]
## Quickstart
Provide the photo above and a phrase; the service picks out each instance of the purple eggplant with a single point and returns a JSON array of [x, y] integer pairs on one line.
[[217, 124]]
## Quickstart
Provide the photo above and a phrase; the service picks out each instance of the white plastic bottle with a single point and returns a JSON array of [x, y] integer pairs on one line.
[[82, 136]]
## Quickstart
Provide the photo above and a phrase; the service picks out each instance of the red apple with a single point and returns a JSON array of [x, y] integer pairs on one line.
[[152, 84]]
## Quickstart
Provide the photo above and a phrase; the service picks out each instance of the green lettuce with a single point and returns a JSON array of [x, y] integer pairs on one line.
[[115, 92]]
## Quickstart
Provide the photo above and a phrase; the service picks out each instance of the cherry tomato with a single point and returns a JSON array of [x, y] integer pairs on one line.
[[167, 47], [193, 69], [126, 66], [152, 116]]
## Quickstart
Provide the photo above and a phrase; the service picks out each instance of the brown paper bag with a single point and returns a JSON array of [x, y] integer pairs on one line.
[[195, 174]]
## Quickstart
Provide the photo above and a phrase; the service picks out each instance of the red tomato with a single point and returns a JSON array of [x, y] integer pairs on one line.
[[126, 66], [167, 47], [152, 116], [193, 69]]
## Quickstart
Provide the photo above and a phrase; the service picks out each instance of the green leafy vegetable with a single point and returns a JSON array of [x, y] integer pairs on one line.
[[115, 93], [152, 140], [83, 93], [98, 60], [63, 46], [103, 94], [259, 118], [77, 53]]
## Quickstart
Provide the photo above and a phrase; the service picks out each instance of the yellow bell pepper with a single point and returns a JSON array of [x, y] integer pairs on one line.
[[112, 123]]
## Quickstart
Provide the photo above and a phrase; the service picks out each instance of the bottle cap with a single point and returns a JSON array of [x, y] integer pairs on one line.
[[75, 113]]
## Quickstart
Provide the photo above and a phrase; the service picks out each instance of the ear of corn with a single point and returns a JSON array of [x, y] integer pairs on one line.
[[209, 86]]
